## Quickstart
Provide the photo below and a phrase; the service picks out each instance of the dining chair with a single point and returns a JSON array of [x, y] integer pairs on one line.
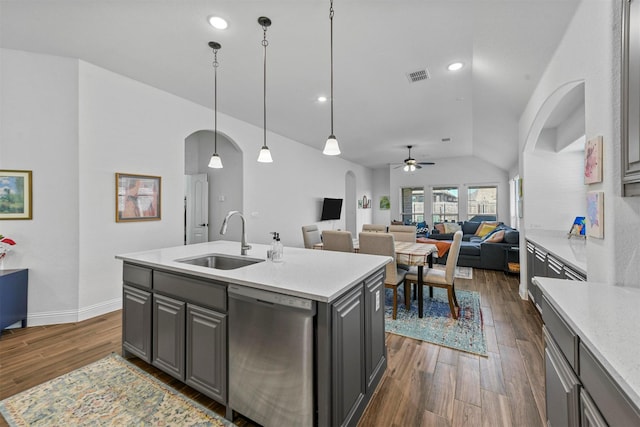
[[442, 278], [383, 244], [340, 241], [376, 228], [310, 236], [403, 233]]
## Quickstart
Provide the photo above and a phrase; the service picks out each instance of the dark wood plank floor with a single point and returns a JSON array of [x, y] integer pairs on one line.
[[424, 385]]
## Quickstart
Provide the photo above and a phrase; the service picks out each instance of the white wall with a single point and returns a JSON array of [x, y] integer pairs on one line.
[[75, 125], [39, 132], [590, 52], [460, 172], [380, 188]]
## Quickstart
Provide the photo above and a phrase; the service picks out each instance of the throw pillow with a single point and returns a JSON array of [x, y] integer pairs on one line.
[[470, 227], [496, 237], [451, 227], [439, 227], [422, 228], [485, 228], [394, 222]]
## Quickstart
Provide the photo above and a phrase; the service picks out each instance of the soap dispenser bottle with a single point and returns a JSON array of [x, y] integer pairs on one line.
[[276, 248]]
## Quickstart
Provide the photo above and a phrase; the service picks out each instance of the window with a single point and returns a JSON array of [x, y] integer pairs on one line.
[[445, 204], [412, 205], [483, 200]]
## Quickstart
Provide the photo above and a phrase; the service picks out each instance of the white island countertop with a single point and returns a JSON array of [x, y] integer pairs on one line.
[[572, 251], [606, 319], [315, 274]]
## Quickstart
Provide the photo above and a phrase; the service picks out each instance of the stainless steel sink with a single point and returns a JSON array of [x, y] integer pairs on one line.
[[220, 261]]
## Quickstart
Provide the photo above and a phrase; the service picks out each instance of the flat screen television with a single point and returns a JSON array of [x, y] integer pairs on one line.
[[331, 209]]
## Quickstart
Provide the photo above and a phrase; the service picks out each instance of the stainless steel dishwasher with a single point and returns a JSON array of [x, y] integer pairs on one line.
[[271, 349]]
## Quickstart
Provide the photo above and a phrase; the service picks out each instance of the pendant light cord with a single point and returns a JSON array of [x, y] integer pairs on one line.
[[265, 43], [331, 20], [215, 101]]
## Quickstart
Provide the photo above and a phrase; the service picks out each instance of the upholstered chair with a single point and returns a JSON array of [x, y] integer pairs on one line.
[[377, 228], [310, 236], [340, 241]]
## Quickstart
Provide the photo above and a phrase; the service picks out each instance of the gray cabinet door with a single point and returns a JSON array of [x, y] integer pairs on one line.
[[376, 355], [561, 387], [589, 414], [136, 322], [207, 352], [349, 382], [168, 335], [531, 287]]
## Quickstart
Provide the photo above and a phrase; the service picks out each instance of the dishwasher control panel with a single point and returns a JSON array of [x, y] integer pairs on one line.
[[270, 297]]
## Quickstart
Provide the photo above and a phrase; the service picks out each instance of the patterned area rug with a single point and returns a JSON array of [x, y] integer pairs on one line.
[[109, 392], [437, 326]]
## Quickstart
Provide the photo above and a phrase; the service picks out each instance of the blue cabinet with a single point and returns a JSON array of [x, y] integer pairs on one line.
[[13, 297]]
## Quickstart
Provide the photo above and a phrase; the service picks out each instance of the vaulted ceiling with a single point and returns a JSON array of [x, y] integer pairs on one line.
[[504, 45]]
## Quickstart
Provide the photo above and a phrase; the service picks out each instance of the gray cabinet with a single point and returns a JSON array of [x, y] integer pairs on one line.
[[562, 387], [178, 324], [376, 354], [349, 357], [555, 267], [539, 269], [206, 352], [531, 287], [169, 335], [579, 390], [136, 322]]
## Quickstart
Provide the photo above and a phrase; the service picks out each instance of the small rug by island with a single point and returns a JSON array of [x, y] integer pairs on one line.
[[109, 392], [438, 326]]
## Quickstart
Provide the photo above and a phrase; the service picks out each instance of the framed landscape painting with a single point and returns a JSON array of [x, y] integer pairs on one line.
[[137, 197], [15, 194]]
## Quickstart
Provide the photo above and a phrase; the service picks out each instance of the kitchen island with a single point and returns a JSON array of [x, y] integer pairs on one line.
[[180, 317]]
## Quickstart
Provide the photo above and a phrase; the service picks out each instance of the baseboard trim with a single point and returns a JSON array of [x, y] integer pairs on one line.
[[70, 316]]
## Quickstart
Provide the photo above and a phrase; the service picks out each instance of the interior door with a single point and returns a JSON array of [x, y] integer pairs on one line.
[[197, 206]]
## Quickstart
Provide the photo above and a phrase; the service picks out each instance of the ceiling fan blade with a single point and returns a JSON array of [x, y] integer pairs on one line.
[[426, 163]]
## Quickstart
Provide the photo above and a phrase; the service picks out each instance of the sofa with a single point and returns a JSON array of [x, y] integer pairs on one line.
[[484, 244]]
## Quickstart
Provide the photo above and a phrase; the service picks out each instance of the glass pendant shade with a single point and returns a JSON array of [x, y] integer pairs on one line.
[[265, 155], [215, 162], [409, 168], [331, 147]]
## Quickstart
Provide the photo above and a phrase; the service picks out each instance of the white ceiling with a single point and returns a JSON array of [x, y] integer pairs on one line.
[[505, 45]]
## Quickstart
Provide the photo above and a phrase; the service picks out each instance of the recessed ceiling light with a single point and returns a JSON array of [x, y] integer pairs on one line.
[[455, 66], [322, 99], [218, 23]]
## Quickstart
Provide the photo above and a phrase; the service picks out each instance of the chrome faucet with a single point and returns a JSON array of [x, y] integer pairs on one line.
[[243, 244]]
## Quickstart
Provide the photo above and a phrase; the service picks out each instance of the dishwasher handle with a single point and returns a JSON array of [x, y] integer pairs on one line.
[[272, 299]]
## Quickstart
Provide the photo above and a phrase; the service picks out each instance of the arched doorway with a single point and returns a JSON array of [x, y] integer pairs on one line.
[[212, 192]]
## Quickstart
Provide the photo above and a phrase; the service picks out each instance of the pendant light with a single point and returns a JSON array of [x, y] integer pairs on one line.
[[265, 154], [331, 147], [216, 161]]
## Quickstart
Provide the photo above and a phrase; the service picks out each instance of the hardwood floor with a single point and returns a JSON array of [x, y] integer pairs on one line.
[[424, 385]]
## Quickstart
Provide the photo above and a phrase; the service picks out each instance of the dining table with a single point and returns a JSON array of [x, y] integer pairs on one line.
[[419, 255], [412, 254]]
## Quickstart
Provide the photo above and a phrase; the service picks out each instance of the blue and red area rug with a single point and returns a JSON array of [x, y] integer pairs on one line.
[[109, 392], [438, 326]]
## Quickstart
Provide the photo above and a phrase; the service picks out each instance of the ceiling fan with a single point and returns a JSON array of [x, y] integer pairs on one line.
[[410, 164]]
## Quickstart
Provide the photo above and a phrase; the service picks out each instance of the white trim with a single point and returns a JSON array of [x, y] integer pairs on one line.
[[70, 316]]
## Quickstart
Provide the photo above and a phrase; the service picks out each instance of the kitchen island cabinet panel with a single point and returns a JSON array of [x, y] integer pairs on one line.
[[136, 322], [169, 335], [376, 354], [207, 352]]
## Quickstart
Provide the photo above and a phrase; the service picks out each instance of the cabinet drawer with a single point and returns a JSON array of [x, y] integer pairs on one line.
[[607, 396], [202, 292], [562, 334], [136, 275]]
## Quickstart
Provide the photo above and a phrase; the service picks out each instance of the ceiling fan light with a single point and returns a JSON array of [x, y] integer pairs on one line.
[[331, 147], [218, 22], [265, 155], [406, 168], [215, 162]]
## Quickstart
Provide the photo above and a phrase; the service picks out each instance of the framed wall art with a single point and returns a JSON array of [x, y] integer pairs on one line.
[[137, 197], [16, 200], [593, 161], [385, 204], [595, 214]]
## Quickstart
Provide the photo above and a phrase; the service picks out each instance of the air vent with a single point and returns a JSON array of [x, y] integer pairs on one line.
[[418, 75], [446, 140]]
